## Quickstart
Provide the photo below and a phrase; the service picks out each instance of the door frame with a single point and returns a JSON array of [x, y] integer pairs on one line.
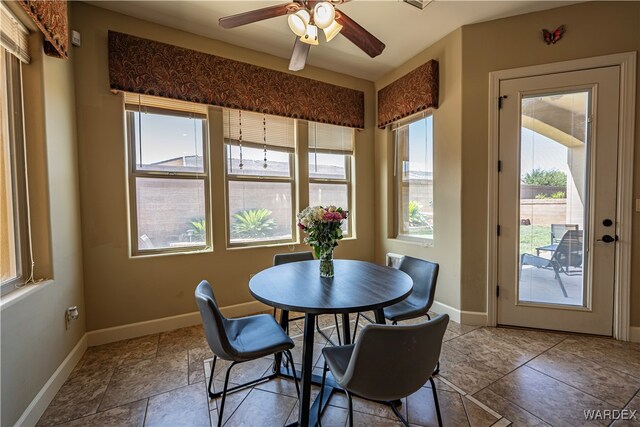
[[624, 209]]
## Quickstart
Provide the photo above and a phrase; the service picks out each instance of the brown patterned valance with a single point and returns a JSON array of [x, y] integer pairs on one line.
[[153, 68], [414, 92], [51, 18]]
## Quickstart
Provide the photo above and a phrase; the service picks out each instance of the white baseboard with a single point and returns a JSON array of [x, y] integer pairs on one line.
[[134, 330], [477, 318], [460, 316], [39, 404], [634, 333]]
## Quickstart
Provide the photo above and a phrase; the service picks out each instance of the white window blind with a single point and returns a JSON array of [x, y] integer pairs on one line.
[[403, 123], [330, 138], [13, 35], [149, 104], [279, 130]]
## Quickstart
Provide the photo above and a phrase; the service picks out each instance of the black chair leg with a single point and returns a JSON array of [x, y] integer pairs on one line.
[[394, 407], [435, 400], [350, 408], [321, 332], [224, 394], [437, 371], [324, 378], [213, 369], [355, 328], [293, 372]]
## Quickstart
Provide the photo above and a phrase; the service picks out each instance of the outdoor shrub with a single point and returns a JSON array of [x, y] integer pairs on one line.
[[253, 223]]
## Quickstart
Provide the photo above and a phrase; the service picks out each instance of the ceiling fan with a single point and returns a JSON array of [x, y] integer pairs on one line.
[[306, 17]]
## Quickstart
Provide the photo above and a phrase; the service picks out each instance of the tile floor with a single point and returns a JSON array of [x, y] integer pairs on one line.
[[489, 376]]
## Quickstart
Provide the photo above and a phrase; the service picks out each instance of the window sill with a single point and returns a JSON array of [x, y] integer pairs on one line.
[[19, 294], [266, 245], [425, 243], [169, 253]]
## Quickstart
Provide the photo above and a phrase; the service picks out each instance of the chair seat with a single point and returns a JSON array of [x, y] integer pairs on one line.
[[337, 359], [405, 309], [257, 336]]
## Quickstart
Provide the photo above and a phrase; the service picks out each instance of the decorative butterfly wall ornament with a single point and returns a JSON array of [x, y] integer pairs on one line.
[[552, 37]]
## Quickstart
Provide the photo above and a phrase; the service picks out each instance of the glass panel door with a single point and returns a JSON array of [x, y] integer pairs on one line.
[[554, 158]]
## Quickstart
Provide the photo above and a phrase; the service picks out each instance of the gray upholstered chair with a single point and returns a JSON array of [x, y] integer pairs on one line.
[[279, 259], [388, 362], [425, 276], [239, 340]]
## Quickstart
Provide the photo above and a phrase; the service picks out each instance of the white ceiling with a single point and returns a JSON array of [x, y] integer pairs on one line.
[[404, 29]]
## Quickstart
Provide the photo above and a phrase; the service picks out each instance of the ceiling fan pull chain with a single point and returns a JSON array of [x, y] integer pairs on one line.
[[264, 139], [240, 165]]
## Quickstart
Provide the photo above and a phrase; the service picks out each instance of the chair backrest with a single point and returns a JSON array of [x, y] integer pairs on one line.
[[569, 250], [279, 259], [559, 230], [390, 362], [213, 321], [425, 276]]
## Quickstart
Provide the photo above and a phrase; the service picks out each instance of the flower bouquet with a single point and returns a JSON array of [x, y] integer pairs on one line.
[[323, 228]]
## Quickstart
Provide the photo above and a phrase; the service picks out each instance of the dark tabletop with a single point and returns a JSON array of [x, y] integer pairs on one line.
[[357, 286]]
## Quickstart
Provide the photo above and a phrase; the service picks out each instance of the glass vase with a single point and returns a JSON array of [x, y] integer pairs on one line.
[[326, 263]]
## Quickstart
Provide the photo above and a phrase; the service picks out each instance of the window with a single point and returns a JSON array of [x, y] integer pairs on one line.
[[168, 175], [414, 173], [330, 158], [15, 259], [259, 167]]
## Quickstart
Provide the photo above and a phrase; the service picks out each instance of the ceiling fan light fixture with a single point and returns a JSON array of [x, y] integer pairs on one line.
[[310, 36], [332, 30], [299, 21], [323, 14]]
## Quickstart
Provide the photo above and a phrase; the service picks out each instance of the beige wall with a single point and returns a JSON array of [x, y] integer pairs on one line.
[[121, 290], [593, 29], [34, 338], [461, 134], [447, 175]]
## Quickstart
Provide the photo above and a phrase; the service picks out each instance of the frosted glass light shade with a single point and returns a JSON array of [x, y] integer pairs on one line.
[[323, 14], [311, 35], [332, 30], [298, 22]]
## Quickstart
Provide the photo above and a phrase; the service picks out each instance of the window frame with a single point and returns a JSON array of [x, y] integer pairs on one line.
[[348, 160], [17, 157], [398, 234], [229, 177], [133, 173]]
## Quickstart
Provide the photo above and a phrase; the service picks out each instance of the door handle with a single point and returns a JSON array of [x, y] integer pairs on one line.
[[608, 239]]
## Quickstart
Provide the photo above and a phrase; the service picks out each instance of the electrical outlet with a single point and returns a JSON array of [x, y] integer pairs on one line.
[[71, 314]]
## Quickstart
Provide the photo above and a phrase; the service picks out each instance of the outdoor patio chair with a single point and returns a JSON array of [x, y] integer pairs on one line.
[[559, 230], [567, 256]]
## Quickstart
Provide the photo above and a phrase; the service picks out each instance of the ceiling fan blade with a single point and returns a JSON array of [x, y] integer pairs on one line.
[[358, 35], [258, 15], [299, 55]]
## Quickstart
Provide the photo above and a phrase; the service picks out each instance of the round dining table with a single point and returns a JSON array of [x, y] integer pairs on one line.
[[357, 286]]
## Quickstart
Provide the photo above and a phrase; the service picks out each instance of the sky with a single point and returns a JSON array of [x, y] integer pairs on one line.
[[166, 137]]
